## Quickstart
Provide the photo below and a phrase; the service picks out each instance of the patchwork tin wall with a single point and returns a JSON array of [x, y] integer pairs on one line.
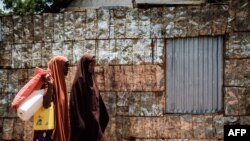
[[130, 46]]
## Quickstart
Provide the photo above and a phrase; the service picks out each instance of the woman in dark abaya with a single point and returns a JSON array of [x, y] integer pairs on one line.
[[88, 114]]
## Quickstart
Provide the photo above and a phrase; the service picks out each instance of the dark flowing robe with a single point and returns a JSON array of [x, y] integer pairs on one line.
[[84, 125]]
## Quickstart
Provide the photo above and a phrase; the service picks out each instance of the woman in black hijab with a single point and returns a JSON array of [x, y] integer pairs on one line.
[[88, 114]]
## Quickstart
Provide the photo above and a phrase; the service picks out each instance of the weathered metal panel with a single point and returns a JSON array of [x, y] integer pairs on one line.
[[69, 25], [36, 54], [101, 3], [38, 28], [129, 3], [18, 29], [7, 29], [1, 30], [48, 25], [194, 75], [103, 22], [59, 29], [194, 2], [80, 25]]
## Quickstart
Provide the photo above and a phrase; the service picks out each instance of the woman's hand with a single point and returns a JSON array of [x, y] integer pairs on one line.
[[47, 98], [45, 79]]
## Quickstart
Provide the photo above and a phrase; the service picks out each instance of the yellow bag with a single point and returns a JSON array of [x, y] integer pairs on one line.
[[44, 118]]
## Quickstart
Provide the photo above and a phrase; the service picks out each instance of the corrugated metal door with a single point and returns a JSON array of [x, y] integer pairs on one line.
[[194, 75]]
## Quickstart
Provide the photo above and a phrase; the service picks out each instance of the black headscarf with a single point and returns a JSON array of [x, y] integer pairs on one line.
[[84, 126]]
